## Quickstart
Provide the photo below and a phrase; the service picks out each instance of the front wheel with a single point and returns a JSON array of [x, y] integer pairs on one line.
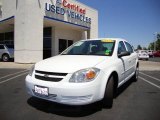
[[109, 92]]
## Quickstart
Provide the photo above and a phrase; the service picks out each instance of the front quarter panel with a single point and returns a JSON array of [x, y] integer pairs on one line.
[[107, 67]]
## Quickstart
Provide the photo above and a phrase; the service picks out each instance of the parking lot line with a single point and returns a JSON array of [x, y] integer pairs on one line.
[[13, 74], [13, 77], [149, 82], [150, 76]]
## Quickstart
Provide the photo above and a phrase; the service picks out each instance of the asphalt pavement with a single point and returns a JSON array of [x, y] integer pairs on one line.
[[135, 101]]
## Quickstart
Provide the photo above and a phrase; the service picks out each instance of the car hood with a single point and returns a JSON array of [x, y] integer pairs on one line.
[[68, 63]]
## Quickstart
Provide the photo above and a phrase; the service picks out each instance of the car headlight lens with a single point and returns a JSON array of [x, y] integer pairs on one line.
[[84, 75], [31, 70]]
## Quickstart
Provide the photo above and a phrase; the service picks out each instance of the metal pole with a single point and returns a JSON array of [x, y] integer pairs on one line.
[[155, 39]]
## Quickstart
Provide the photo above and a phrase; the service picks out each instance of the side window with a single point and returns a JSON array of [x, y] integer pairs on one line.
[[1, 47], [121, 47], [129, 47]]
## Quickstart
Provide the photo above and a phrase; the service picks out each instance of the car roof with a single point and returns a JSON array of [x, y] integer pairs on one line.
[[116, 39]]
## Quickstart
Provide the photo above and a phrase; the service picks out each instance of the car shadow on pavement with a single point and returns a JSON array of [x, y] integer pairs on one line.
[[71, 111], [10, 60], [123, 87], [64, 110]]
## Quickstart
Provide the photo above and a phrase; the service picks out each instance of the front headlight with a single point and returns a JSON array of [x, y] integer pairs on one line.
[[31, 70], [84, 75]]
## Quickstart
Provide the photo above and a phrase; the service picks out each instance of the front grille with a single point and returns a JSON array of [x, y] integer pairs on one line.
[[49, 76], [51, 73]]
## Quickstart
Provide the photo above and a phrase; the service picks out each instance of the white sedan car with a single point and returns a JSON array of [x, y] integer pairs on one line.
[[86, 72], [142, 54], [6, 53]]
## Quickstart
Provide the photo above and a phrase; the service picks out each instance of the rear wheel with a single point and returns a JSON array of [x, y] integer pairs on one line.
[[135, 77], [5, 57], [109, 92]]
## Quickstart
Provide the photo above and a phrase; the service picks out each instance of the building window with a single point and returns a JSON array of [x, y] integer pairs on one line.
[[1, 38], [63, 44], [0, 11]]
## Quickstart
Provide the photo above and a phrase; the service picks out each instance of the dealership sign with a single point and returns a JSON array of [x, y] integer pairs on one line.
[[73, 12]]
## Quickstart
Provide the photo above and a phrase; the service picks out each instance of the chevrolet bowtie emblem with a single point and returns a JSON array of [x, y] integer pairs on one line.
[[46, 75]]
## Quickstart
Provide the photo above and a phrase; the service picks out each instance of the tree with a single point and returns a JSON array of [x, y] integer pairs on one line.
[[158, 44], [158, 36], [144, 48], [151, 46], [139, 47]]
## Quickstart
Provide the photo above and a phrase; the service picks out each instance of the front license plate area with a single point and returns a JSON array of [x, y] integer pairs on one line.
[[41, 91]]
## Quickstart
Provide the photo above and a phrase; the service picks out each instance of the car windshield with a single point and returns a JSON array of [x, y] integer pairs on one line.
[[143, 51], [91, 47]]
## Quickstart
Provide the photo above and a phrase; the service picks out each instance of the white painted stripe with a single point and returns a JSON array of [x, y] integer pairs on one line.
[[13, 74], [13, 77], [150, 76], [149, 82]]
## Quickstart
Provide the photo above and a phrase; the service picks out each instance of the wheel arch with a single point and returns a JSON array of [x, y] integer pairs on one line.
[[5, 54], [116, 79]]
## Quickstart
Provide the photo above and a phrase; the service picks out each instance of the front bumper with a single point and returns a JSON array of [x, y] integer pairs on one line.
[[65, 92]]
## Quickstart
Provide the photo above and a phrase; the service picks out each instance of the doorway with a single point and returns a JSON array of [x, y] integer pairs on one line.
[[47, 42], [63, 44]]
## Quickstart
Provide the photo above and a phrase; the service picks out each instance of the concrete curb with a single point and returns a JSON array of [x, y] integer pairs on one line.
[[149, 66], [144, 65], [13, 65]]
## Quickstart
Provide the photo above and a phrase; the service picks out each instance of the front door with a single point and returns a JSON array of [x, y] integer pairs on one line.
[[123, 63]]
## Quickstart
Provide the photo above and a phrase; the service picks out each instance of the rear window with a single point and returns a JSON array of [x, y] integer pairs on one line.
[[1, 47]]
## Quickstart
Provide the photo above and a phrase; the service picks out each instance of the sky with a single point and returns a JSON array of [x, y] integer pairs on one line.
[[134, 20]]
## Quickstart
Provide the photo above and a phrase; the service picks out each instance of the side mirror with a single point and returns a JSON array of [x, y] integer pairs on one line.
[[124, 54]]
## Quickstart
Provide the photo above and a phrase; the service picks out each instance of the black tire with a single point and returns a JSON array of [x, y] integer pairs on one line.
[[135, 77], [109, 93], [5, 57]]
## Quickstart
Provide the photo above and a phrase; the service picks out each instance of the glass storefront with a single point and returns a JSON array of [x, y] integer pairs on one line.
[[47, 42], [7, 38]]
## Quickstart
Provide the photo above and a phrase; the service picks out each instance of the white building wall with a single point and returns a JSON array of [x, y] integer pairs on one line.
[[28, 27], [93, 14], [28, 32], [65, 34], [94, 26], [8, 8], [90, 12]]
